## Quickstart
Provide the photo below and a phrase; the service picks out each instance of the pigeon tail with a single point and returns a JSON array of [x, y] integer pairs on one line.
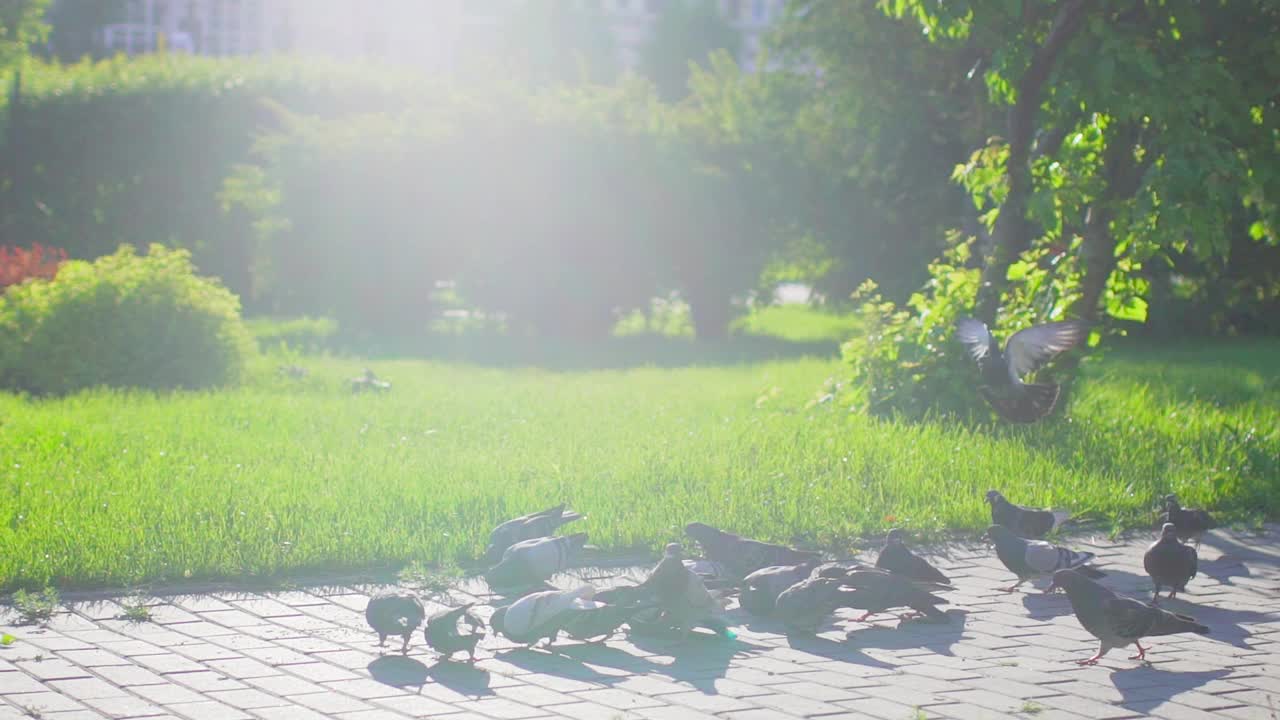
[[1034, 402], [1171, 623]]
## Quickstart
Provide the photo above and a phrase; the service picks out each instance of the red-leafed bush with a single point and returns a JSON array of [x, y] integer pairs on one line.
[[18, 264]]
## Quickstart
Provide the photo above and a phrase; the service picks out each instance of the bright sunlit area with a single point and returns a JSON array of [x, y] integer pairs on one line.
[[331, 300]]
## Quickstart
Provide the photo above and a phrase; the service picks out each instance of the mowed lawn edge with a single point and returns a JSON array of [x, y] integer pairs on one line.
[[280, 475]]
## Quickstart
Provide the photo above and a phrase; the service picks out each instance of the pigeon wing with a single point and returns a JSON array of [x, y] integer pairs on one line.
[[975, 336], [1127, 618], [1030, 348]]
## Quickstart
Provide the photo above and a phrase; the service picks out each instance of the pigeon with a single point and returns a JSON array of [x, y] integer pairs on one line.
[[394, 613], [1023, 521], [760, 589], [1169, 562], [1191, 523], [527, 527], [1025, 352], [682, 596], [541, 615], [878, 591], [367, 381], [742, 556], [805, 605], [898, 559], [603, 618], [1118, 621], [1033, 558], [530, 562], [442, 633], [714, 575]]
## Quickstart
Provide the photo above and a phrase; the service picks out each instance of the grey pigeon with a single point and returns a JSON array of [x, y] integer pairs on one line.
[[1191, 523], [1118, 621], [1170, 563], [743, 556], [1030, 559], [528, 527], [393, 613], [805, 605], [897, 558], [541, 615], [530, 562], [1025, 352], [602, 619], [368, 382], [682, 596], [442, 633], [879, 591], [1023, 521], [760, 589]]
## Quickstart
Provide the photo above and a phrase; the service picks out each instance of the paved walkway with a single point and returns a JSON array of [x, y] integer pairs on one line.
[[308, 654]]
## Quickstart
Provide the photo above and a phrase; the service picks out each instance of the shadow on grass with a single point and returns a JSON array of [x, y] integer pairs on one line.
[[613, 353]]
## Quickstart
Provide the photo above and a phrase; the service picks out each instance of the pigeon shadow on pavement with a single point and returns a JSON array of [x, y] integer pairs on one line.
[[462, 678], [1141, 682], [832, 650], [1234, 559], [934, 635], [571, 662], [698, 661], [399, 671], [1225, 625]]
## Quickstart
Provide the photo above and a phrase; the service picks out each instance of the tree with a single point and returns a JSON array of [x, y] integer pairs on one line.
[[685, 32], [21, 26]]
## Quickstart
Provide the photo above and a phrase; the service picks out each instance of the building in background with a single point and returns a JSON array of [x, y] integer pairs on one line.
[[430, 34]]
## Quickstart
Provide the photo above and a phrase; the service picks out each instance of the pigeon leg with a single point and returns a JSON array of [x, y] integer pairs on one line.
[[1102, 650], [910, 616], [1142, 652], [863, 617], [1013, 587], [1172, 594], [404, 649]]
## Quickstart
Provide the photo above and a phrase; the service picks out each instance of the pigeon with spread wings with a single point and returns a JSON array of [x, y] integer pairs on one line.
[[1025, 352]]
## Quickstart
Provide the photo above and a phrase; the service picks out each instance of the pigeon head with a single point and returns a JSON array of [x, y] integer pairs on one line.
[[993, 496], [1169, 530], [704, 534], [999, 533], [896, 537], [673, 550], [1068, 580], [1171, 500]]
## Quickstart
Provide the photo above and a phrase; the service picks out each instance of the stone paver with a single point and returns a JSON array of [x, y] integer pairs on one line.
[[308, 654]]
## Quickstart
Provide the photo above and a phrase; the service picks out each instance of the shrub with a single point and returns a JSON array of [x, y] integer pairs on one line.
[[18, 264], [124, 320]]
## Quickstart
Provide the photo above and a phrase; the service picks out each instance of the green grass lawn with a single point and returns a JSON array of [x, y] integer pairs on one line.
[[284, 475]]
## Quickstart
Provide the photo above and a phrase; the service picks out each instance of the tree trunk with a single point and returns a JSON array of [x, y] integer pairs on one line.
[[1011, 235], [1123, 173]]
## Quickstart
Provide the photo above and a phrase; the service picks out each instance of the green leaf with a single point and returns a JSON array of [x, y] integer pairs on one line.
[[6, 640]]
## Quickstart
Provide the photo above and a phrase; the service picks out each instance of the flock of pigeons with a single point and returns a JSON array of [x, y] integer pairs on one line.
[[797, 587]]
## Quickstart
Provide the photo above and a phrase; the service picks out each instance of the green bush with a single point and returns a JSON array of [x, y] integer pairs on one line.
[[124, 320]]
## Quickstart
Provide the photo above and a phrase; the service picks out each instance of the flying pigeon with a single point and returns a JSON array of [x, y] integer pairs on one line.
[[541, 615], [805, 605], [527, 527], [879, 591], [1033, 558], [1023, 521], [1191, 523], [1169, 562], [760, 589], [743, 556], [897, 558], [682, 596], [1118, 621], [1025, 352], [442, 633], [530, 562], [393, 613]]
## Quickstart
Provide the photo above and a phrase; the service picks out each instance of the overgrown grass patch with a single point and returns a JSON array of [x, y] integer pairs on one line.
[[284, 475]]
